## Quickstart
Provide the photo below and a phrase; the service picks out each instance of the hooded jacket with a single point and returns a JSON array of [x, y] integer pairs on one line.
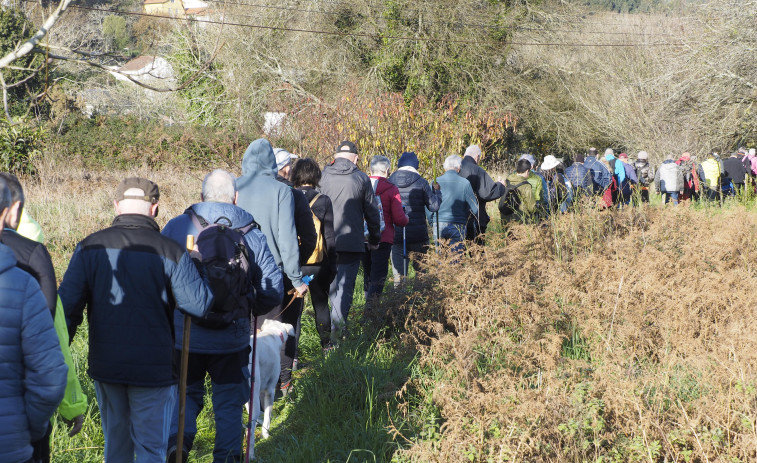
[[272, 204], [600, 174], [391, 203], [483, 186], [579, 176], [644, 172], [416, 195], [351, 196], [265, 275], [33, 376], [669, 177], [734, 170], [130, 278]]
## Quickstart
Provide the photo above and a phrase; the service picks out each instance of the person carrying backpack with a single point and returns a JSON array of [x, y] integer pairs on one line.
[[306, 176], [669, 180], [518, 202], [559, 190], [245, 279], [711, 176], [691, 182], [644, 173]]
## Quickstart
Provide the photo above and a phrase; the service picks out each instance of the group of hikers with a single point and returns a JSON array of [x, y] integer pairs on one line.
[[250, 250]]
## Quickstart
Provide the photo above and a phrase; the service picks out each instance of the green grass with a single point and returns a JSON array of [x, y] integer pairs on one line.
[[339, 410]]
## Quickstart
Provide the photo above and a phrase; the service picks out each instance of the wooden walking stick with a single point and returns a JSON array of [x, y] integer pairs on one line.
[[183, 373]]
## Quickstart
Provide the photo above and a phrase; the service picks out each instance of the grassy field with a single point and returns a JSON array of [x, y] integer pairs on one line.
[[600, 336]]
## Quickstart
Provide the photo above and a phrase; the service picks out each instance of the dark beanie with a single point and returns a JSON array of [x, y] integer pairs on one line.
[[408, 159], [579, 157]]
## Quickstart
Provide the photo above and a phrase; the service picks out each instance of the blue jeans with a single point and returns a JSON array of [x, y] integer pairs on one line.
[[672, 196], [454, 233], [135, 421]]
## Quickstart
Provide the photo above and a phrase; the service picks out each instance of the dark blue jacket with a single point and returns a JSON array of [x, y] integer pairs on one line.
[[601, 176], [417, 195], [265, 275], [130, 278], [33, 374], [483, 186], [579, 176]]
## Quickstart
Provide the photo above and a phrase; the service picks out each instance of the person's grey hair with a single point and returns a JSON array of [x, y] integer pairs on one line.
[[219, 186], [5, 196], [380, 164], [609, 151], [669, 157], [453, 162]]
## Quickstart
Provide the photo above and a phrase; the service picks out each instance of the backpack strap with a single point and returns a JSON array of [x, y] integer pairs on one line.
[[198, 220], [314, 200]]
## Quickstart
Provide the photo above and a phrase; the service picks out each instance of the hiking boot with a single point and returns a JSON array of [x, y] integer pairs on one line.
[[285, 389], [328, 348]]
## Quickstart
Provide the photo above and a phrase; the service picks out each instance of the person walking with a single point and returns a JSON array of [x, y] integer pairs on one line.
[[645, 175], [485, 190], [580, 177], [355, 209], [458, 203], [417, 196], [734, 174], [306, 177], [130, 278], [376, 262], [669, 180], [518, 202], [33, 258], [711, 177], [222, 352], [33, 379]]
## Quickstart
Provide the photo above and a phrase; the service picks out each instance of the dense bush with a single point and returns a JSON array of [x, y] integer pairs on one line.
[[20, 146]]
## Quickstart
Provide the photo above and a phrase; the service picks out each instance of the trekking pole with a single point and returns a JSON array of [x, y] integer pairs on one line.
[[250, 427], [404, 251], [183, 373], [436, 214]]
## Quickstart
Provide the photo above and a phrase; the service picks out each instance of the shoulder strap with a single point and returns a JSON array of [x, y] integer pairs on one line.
[[314, 200], [197, 220], [524, 182]]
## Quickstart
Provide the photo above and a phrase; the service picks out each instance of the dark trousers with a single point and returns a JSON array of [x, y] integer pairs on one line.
[[375, 269], [319, 297], [230, 391], [41, 447]]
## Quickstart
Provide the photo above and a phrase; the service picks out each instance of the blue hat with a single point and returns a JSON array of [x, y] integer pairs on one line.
[[528, 157], [408, 159]]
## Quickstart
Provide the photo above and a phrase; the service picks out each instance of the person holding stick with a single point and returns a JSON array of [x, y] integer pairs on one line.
[[130, 278], [221, 351]]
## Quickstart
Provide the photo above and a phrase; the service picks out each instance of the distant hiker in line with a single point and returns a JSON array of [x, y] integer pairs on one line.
[[734, 174], [711, 176], [645, 175], [691, 177], [33, 258], [580, 178], [130, 278], [417, 195], [602, 177], [669, 180], [33, 378], [376, 262], [458, 203], [306, 237], [518, 202], [485, 190], [628, 186], [559, 191], [354, 205], [306, 177], [221, 351]]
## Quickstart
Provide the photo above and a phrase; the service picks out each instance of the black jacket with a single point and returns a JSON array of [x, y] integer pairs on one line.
[[353, 201], [130, 278], [734, 170], [484, 188], [34, 259], [303, 222], [324, 210], [417, 195]]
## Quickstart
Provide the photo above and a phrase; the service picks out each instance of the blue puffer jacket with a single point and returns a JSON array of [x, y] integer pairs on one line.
[[601, 177], [266, 279], [272, 204], [33, 374], [416, 195], [130, 278]]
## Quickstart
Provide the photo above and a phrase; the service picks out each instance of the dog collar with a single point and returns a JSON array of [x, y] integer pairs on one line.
[[281, 335]]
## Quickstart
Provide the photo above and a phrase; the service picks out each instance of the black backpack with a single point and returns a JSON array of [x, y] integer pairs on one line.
[[509, 204], [226, 260]]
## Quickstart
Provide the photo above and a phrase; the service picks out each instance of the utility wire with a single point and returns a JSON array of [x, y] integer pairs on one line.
[[448, 23], [378, 36]]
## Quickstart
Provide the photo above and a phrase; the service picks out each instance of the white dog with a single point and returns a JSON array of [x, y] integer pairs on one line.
[[271, 339]]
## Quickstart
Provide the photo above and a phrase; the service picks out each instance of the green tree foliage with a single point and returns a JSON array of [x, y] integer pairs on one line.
[[24, 85], [116, 32]]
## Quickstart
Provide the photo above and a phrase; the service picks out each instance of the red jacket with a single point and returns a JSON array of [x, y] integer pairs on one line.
[[392, 205]]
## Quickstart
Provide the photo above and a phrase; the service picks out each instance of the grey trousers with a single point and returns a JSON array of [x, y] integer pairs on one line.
[[398, 262], [343, 288]]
